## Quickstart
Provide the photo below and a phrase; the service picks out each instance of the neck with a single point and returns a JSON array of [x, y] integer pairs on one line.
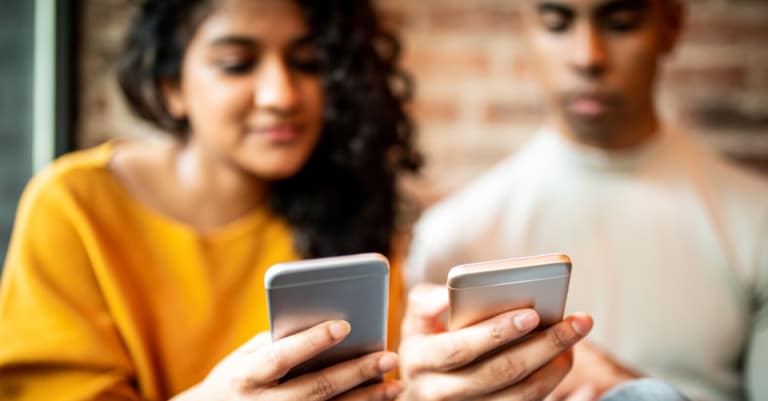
[[220, 190]]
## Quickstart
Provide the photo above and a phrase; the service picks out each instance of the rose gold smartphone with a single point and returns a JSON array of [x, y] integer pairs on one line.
[[479, 291]]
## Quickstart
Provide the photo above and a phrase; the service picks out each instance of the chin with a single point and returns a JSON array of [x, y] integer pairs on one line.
[[274, 166], [276, 172], [592, 130]]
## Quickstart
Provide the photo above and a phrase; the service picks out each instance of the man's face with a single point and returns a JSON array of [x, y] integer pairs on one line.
[[597, 60]]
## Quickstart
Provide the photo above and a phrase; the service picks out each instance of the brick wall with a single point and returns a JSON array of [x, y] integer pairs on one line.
[[476, 99]]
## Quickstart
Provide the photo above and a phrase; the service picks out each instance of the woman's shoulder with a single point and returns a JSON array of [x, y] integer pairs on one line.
[[75, 172], [85, 176], [66, 188], [90, 172]]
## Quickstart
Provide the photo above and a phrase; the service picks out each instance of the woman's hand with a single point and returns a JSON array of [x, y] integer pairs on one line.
[[253, 371], [441, 365]]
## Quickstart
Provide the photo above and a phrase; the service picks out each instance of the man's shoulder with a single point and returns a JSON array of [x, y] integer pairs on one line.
[[737, 196], [747, 181], [737, 183]]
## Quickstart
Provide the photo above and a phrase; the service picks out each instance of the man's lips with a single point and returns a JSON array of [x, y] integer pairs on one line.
[[588, 105]]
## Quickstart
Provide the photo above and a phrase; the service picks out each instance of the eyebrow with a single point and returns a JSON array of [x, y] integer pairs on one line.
[[613, 6], [548, 6], [607, 7], [244, 41]]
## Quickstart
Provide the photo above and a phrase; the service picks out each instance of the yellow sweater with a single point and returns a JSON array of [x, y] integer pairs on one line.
[[102, 298]]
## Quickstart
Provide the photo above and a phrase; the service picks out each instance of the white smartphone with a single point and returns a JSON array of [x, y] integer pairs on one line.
[[352, 288], [479, 291]]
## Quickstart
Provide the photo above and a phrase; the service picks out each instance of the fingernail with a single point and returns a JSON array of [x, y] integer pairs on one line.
[[392, 390], [339, 329], [525, 321], [581, 327], [387, 362]]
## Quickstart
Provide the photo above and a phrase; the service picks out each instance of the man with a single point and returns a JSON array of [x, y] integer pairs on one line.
[[669, 243]]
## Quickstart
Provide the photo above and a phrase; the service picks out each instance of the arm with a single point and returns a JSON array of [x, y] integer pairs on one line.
[[56, 328]]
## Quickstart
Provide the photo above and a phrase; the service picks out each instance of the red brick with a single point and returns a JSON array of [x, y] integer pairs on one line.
[[518, 68], [761, 79], [512, 112], [757, 163], [724, 30], [474, 19], [726, 116], [434, 110], [463, 64], [734, 76]]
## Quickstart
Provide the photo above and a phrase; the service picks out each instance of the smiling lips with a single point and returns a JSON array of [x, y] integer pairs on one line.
[[278, 132]]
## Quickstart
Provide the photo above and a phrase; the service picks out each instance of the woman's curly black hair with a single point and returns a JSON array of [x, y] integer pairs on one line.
[[345, 198]]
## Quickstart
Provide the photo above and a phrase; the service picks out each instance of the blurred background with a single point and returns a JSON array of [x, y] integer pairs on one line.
[[476, 101]]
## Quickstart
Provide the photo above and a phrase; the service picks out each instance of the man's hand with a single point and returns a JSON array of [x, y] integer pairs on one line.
[[441, 365], [594, 372]]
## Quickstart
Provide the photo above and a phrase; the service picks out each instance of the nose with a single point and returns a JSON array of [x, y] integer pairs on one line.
[[275, 88], [588, 54]]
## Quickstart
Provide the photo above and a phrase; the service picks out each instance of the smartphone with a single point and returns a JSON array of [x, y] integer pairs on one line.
[[353, 288], [479, 291]]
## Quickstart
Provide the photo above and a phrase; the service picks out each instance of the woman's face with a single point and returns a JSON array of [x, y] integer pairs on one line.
[[250, 88]]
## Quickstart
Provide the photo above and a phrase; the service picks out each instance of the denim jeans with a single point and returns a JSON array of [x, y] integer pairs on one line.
[[643, 390]]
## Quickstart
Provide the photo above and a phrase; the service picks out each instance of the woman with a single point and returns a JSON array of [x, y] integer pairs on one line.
[[136, 268]]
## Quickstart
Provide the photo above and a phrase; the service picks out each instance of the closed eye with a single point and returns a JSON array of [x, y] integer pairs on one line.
[[234, 55], [236, 66], [622, 15], [554, 17], [303, 57]]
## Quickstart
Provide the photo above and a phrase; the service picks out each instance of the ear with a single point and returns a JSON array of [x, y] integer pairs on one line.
[[173, 98], [673, 21]]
